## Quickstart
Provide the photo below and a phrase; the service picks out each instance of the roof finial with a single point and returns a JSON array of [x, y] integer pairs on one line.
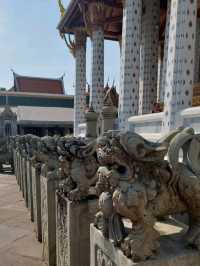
[[62, 9]]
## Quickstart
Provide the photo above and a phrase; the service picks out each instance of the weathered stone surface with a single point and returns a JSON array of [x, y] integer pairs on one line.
[[30, 190], [61, 231], [172, 252], [15, 163], [136, 182], [25, 186], [21, 175], [37, 201], [73, 231], [48, 211]]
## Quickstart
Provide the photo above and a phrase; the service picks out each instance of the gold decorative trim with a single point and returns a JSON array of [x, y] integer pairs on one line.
[[62, 9]]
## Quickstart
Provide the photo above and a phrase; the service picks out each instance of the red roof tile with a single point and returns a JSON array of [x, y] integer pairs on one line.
[[38, 85]]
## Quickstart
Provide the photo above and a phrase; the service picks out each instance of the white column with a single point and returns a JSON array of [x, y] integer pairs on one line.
[[97, 90], [130, 61], [197, 54], [160, 70], [149, 55], [80, 79], [180, 61], [96, 17], [164, 68]]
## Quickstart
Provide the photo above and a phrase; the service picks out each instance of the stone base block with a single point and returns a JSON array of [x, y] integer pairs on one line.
[[172, 251], [48, 211], [37, 202], [73, 230]]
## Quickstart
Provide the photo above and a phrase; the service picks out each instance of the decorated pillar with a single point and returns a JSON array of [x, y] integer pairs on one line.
[[160, 69], [80, 80], [164, 68], [149, 55], [180, 61], [96, 18], [197, 53], [78, 49], [130, 61]]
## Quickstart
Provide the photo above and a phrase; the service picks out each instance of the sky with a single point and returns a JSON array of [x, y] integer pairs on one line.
[[31, 45]]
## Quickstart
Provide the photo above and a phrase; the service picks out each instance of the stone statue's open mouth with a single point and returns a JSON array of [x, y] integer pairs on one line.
[[122, 170]]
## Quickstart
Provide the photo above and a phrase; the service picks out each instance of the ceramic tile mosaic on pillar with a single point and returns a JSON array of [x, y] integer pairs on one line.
[[97, 91], [149, 55], [164, 68], [180, 62], [130, 61], [197, 54], [159, 77], [80, 82]]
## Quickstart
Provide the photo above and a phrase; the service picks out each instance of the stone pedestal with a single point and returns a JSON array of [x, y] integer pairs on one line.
[[25, 186], [172, 251], [109, 114], [29, 188], [37, 201], [48, 211], [91, 123], [73, 230]]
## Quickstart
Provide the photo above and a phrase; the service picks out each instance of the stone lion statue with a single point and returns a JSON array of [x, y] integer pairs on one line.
[[48, 156], [78, 167], [143, 181]]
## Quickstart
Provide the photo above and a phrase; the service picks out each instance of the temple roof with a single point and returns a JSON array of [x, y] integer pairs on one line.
[[73, 18], [111, 96], [38, 85]]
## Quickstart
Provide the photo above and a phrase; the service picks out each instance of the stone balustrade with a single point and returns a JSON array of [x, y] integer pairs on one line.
[[115, 182], [41, 172]]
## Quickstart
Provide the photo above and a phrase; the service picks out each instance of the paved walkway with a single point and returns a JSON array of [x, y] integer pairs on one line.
[[18, 245]]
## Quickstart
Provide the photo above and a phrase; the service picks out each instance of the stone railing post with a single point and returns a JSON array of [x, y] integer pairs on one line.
[[76, 202], [36, 187]]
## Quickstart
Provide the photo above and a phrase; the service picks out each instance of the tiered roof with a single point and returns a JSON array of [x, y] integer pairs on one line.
[[38, 85]]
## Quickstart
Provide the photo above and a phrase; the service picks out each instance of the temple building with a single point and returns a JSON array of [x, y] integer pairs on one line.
[[160, 60], [39, 106]]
